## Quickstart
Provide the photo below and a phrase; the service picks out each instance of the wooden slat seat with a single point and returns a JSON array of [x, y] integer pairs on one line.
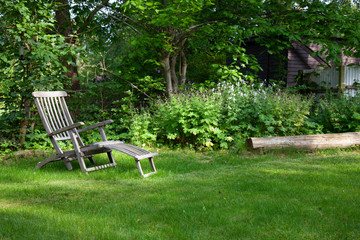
[[59, 126]]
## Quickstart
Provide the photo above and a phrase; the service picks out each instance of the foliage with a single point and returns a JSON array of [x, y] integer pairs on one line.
[[293, 21], [338, 113], [190, 118], [141, 132], [258, 111], [162, 31], [167, 33], [217, 118], [144, 42], [27, 26]]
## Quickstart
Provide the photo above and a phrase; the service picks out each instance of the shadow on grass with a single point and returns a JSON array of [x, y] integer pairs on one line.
[[24, 225]]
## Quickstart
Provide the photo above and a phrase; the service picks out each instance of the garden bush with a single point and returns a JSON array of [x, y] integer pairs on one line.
[[214, 118], [338, 113], [256, 111], [204, 118], [190, 118]]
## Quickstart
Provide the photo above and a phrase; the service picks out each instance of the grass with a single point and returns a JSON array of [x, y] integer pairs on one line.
[[215, 195]]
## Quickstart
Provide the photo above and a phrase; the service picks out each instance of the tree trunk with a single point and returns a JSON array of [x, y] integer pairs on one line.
[[25, 122], [167, 73], [320, 141], [73, 74], [174, 78], [64, 27], [183, 68]]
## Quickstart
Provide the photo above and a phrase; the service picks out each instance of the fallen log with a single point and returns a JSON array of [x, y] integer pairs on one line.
[[319, 141]]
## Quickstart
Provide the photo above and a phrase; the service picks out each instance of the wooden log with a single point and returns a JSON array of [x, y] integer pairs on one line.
[[319, 141]]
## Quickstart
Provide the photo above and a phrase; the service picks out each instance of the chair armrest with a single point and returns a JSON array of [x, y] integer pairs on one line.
[[96, 125], [67, 128]]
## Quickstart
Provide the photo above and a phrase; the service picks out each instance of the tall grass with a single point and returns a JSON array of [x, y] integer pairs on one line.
[[214, 195]]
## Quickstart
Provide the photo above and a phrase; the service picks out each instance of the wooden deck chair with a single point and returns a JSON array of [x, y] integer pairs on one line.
[[59, 126]]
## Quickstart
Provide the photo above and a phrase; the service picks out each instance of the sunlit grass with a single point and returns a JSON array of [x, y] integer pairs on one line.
[[219, 195]]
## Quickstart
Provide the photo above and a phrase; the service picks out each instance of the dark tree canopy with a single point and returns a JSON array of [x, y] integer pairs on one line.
[[155, 47]]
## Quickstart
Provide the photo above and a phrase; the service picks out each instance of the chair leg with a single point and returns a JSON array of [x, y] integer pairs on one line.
[[82, 164], [152, 164], [92, 160], [139, 167], [138, 164], [111, 158], [67, 164], [87, 170], [53, 158]]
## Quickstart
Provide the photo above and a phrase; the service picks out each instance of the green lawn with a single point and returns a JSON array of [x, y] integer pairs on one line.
[[219, 195]]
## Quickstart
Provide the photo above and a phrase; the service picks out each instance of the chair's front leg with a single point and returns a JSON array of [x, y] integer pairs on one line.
[[79, 154]]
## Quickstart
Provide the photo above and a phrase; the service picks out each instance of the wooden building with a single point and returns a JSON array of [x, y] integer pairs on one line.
[[286, 66]]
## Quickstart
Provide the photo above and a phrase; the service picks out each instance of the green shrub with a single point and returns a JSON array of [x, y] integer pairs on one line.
[[207, 119], [191, 118], [338, 113], [255, 111], [141, 130]]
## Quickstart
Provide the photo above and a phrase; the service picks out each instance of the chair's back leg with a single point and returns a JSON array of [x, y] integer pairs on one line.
[[67, 164]]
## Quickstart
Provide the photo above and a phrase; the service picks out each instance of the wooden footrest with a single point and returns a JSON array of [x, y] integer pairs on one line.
[[131, 150], [136, 152]]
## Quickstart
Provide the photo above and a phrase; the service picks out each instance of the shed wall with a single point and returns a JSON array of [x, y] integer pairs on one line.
[[300, 59]]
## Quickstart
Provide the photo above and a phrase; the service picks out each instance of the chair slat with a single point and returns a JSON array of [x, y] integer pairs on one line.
[[59, 110], [66, 111], [56, 114], [57, 118], [62, 117], [61, 104], [42, 115], [45, 115], [51, 115]]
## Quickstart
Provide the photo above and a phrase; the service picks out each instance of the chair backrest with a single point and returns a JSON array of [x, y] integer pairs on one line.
[[53, 112]]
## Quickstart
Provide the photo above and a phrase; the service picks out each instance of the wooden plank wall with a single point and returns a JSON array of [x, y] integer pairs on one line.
[[300, 59]]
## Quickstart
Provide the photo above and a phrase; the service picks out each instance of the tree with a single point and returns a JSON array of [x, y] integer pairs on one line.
[[167, 27], [332, 24], [164, 27], [36, 66], [71, 28]]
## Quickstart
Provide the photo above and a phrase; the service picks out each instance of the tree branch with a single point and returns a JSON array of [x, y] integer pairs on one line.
[[92, 14], [192, 28], [184, 35], [144, 26], [127, 24], [128, 82]]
